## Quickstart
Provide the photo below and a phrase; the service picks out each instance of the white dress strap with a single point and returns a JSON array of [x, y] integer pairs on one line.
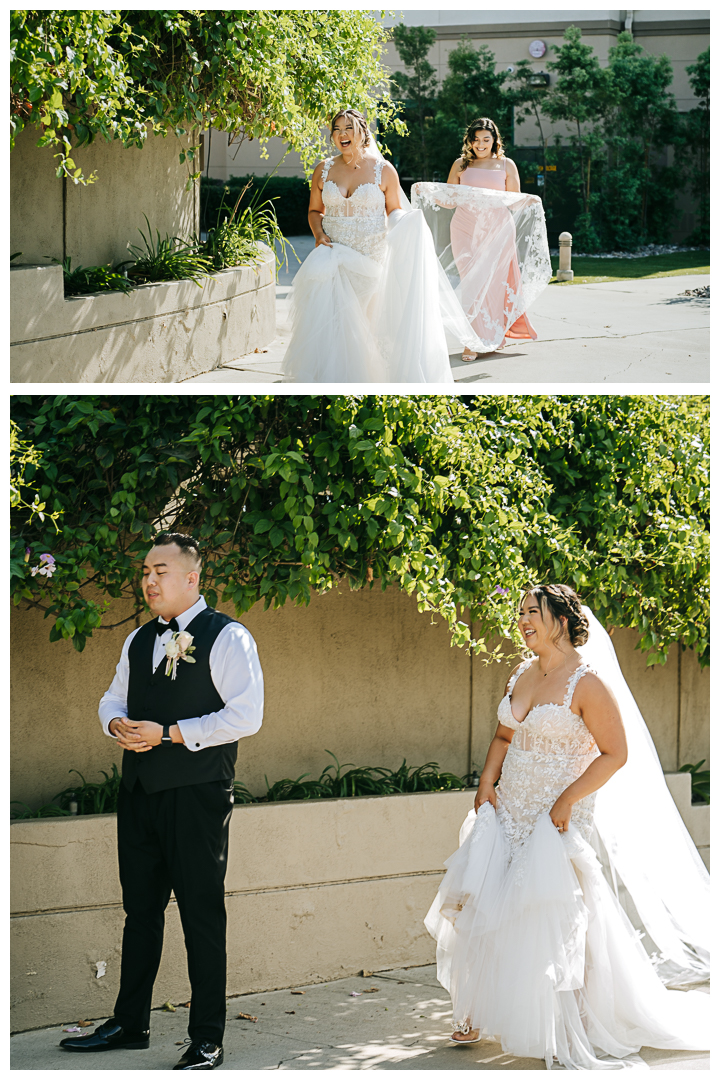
[[574, 679], [514, 678], [326, 168], [378, 170]]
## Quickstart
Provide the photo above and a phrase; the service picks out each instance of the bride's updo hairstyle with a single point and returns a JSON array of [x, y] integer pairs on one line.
[[562, 602], [483, 123], [359, 124]]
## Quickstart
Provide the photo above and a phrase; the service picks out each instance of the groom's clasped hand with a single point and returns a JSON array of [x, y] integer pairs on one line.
[[136, 735]]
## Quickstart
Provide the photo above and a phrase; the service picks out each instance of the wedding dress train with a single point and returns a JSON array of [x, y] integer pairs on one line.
[[492, 245], [533, 943]]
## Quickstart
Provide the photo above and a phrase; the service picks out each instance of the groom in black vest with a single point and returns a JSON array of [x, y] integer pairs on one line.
[[187, 687]]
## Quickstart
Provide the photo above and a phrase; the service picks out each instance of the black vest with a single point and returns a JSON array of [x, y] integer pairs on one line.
[[156, 696]]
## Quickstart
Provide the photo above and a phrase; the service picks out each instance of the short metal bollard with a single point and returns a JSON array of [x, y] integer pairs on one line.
[[565, 243]]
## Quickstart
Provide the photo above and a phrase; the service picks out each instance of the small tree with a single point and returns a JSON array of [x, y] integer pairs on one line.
[[579, 97], [418, 91], [696, 143], [474, 88], [528, 101], [641, 118], [471, 89]]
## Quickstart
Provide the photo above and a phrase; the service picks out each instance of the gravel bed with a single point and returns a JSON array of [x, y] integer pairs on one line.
[[641, 253]]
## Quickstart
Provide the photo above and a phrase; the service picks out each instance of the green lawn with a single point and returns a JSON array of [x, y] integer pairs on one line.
[[589, 270]]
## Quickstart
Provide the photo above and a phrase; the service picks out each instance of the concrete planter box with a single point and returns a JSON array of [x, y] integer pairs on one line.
[[696, 817], [164, 332], [315, 891]]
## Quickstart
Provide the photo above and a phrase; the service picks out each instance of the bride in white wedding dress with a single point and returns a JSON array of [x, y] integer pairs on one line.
[[576, 895], [371, 302]]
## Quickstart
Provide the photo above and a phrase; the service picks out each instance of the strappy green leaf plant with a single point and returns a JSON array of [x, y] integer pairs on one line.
[[26, 813], [100, 798], [165, 258], [235, 238], [85, 280]]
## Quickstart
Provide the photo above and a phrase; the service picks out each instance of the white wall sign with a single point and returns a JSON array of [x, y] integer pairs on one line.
[[537, 49]]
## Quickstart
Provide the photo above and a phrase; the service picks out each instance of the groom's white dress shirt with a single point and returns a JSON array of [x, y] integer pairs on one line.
[[235, 670]]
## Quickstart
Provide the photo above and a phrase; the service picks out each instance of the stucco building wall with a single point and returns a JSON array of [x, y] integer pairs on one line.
[[362, 674]]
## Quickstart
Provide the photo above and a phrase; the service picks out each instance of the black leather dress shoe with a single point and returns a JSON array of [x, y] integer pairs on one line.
[[109, 1036], [201, 1055]]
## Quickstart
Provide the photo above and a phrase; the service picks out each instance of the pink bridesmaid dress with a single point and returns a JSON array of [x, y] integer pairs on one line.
[[467, 230]]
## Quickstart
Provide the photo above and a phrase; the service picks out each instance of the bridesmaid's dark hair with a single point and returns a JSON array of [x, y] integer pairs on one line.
[[483, 123], [563, 603], [358, 121]]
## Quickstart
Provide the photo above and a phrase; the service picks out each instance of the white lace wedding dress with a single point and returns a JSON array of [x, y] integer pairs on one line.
[[532, 943], [376, 306]]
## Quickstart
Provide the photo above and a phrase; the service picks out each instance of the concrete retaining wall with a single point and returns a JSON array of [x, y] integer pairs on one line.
[[164, 332], [315, 891]]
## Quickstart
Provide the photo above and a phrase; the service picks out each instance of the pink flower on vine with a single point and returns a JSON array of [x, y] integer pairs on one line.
[[46, 567]]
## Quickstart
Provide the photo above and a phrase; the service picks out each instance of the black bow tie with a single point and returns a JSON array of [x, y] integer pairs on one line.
[[162, 627]]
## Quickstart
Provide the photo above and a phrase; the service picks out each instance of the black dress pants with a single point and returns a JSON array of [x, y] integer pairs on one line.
[[174, 840]]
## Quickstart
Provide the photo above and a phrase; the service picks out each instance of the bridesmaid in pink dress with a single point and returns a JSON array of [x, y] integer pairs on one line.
[[483, 164]]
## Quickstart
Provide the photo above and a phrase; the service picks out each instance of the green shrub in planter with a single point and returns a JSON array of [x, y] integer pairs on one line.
[[333, 783], [290, 196], [234, 238], [700, 781]]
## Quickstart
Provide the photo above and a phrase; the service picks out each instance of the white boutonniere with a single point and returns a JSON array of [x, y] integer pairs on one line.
[[178, 647]]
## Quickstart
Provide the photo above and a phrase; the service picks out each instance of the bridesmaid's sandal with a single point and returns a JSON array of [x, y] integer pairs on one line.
[[464, 1035]]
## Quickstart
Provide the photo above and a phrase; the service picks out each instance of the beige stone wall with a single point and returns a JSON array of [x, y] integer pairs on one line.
[[362, 674], [93, 224]]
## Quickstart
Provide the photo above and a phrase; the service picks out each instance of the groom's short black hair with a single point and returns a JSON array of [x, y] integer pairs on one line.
[[188, 545]]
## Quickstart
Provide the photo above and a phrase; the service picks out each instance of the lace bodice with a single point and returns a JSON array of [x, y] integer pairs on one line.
[[550, 749], [357, 220], [548, 728]]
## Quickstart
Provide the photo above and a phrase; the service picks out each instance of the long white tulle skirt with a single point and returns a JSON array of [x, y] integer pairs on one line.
[[537, 953], [357, 319]]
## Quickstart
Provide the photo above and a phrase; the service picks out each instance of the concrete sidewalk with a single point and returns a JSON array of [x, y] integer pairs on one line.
[[613, 332], [392, 1020]]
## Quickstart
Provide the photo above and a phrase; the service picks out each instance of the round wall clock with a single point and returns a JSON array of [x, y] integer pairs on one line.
[[537, 49]]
